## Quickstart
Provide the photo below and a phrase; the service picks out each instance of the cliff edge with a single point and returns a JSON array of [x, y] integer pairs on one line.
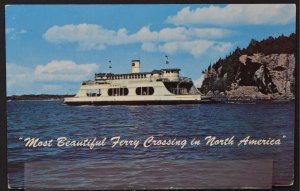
[[263, 70]]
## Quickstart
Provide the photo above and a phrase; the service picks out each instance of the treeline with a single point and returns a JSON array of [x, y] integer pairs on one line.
[[280, 45], [221, 78], [36, 97]]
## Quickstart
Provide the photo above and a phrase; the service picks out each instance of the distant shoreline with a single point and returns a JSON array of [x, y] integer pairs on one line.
[[36, 97]]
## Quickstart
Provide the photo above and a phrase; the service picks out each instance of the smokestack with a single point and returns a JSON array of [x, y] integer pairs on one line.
[[135, 66]]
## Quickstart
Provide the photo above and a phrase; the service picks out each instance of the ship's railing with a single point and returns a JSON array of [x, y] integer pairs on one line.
[[184, 79], [90, 82]]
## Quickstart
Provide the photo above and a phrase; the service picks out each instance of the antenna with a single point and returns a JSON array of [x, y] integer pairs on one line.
[[167, 59], [110, 67]]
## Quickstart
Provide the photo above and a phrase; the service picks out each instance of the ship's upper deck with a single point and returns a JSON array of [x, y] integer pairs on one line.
[[166, 74]]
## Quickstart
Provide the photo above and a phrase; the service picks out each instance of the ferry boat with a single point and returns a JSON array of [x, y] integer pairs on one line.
[[159, 87]]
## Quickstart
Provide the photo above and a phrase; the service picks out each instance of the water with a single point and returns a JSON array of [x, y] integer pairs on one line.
[[52, 119]]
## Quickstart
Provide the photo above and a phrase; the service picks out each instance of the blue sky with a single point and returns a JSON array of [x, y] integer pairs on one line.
[[52, 48]]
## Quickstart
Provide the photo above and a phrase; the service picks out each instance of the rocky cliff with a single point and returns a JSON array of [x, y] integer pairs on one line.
[[263, 70]]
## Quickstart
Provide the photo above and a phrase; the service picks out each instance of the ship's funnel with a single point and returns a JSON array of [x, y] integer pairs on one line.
[[135, 66]]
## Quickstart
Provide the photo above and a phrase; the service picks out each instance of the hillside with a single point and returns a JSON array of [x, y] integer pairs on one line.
[[263, 70]]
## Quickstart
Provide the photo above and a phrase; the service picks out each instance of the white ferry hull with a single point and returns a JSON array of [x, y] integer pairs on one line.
[[129, 100]]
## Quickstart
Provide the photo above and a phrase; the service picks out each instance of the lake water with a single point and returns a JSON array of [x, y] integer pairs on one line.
[[126, 167]]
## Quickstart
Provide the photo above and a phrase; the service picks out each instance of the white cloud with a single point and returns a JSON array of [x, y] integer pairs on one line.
[[23, 31], [273, 14], [223, 47], [64, 70], [13, 33], [90, 36], [18, 75], [199, 81], [196, 48], [44, 78], [9, 30], [149, 47]]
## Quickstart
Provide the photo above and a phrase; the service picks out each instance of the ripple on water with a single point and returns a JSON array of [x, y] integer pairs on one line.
[[54, 119]]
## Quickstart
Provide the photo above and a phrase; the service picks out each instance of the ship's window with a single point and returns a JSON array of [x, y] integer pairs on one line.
[[144, 91], [93, 93], [126, 91], [118, 91], [138, 91], [151, 91]]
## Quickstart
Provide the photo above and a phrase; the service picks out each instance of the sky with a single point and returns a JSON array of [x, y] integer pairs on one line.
[[51, 49]]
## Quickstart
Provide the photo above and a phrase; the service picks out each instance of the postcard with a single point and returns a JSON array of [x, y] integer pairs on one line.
[[151, 96]]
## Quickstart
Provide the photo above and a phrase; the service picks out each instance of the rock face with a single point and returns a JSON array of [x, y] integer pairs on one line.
[[263, 70], [265, 77], [261, 76]]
